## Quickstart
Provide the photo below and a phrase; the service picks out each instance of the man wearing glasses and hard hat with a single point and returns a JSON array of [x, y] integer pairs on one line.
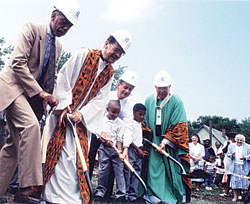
[[167, 118], [26, 83], [82, 89]]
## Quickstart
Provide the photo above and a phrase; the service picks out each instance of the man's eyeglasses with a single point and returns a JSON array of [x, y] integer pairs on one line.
[[117, 51]]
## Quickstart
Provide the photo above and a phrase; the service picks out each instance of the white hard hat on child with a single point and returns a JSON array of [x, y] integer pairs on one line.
[[70, 9], [162, 79], [129, 77], [124, 39]]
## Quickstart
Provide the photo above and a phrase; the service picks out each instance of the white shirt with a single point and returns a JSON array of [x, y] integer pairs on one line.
[[132, 133], [218, 163], [63, 186], [196, 150], [113, 128], [66, 82], [227, 160], [238, 154], [217, 151]]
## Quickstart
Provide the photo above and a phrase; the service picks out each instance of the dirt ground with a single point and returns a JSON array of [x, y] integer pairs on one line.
[[202, 197]]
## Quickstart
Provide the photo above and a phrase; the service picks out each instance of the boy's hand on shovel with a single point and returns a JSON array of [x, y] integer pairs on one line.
[[104, 138], [120, 155]]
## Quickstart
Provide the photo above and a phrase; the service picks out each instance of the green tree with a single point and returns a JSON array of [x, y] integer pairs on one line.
[[118, 73], [193, 127], [245, 128], [220, 123], [63, 58], [4, 51]]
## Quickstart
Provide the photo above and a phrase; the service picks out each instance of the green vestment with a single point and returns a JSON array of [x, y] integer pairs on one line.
[[164, 179]]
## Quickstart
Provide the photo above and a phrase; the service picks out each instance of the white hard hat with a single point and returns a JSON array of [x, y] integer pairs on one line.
[[70, 8], [162, 79], [124, 39], [129, 77]]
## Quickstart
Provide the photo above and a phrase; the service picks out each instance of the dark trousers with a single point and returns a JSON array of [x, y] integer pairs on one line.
[[209, 181], [94, 146], [107, 156], [130, 179], [218, 179], [227, 185]]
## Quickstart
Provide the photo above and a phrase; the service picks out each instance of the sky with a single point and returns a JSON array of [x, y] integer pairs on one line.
[[203, 44]]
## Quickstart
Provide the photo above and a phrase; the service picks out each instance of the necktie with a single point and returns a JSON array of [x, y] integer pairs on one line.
[[51, 68]]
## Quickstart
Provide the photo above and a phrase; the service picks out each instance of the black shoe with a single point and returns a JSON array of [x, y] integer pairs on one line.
[[12, 190], [109, 200], [26, 195], [138, 201], [3, 200], [120, 200], [98, 198]]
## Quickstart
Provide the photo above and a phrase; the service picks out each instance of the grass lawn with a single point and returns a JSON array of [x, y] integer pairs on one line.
[[211, 197], [202, 197]]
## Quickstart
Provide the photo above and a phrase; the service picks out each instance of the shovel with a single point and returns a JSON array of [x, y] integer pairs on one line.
[[81, 156], [151, 199], [45, 137], [195, 174], [167, 155]]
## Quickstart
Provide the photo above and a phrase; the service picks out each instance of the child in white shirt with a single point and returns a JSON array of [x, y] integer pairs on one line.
[[108, 158], [132, 143]]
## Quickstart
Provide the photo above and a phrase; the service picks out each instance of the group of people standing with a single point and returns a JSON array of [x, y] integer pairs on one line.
[[226, 165], [30, 86]]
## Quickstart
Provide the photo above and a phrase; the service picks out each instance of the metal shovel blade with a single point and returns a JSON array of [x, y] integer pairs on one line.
[[153, 200], [91, 192]]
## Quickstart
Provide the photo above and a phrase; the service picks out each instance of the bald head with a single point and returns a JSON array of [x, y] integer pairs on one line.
[[113, 109], [114, 103]]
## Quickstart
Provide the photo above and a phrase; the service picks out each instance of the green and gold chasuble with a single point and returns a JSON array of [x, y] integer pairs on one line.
[[163, 178]]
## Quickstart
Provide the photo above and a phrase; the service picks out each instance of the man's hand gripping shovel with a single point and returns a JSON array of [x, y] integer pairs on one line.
[[195, 174], [167, 155], [81, 156]]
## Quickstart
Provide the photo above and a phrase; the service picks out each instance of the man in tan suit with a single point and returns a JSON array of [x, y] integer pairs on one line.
[[23, 90]]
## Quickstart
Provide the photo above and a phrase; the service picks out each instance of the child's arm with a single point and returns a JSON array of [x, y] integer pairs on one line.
[[215, 172], [104, 138], [119, 147], [125, 153], [204, 166], [139, 151]]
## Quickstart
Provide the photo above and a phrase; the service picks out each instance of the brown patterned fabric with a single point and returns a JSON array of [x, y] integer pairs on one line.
[[178, 134], [83, 84], [147, 133]]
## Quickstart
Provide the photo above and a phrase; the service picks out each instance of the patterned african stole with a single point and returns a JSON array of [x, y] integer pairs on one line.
[[147, 133], [84, 81], [178, 134]]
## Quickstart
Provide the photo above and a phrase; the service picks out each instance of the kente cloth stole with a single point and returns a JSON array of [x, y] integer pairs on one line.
[[178, 134], [147, 133], [85, 79]]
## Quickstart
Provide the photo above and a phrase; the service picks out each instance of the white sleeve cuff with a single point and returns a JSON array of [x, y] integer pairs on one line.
[[164, 141]]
